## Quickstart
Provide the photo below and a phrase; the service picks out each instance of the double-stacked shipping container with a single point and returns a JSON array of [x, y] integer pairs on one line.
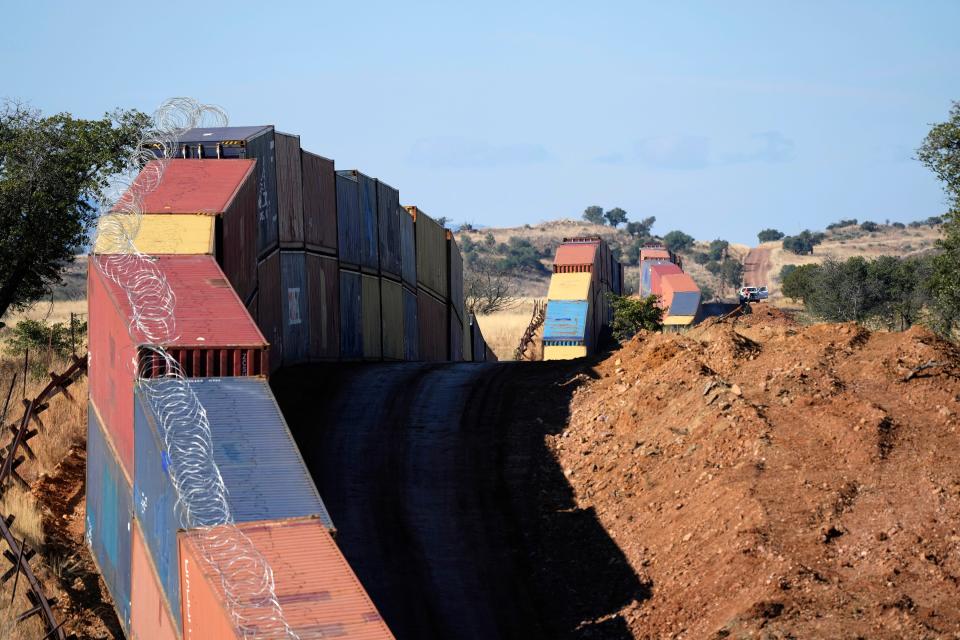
[[662, 275], [433, 316]]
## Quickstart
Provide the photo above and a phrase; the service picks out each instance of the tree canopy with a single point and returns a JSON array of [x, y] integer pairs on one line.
[[678, 241], [616, 216], [769, 235], [593, 214]]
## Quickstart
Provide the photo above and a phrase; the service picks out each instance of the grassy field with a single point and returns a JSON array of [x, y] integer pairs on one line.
[[503, 330]]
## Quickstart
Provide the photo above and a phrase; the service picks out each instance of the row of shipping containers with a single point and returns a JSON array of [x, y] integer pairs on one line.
[[578, 305], [662, 275], [274, 259]]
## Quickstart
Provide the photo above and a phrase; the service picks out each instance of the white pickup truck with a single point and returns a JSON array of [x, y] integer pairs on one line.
[[753, 294]]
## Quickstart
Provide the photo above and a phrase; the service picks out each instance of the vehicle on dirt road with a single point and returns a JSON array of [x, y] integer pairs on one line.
[[753, 294]]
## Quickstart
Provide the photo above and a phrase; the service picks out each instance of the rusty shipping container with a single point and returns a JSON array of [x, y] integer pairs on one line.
[[434, 324], [351, 313], [348, 219], [321, 595], [319, 203], [392, 319], [431, 254], [296, 318], [270, 301], [411, 326], [243, 142], [150, 613], [408, 248], [215, 336], [455, 275], [323, 295], [370, 311], [388, 220], [289, 191]]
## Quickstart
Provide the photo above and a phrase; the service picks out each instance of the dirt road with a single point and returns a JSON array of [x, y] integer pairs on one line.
[[756, 267], [449, 507]]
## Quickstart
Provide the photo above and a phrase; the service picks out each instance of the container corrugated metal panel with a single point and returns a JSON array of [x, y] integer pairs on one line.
[[108, 521], [289, 190], [570, 286], [348, 219], [150, 614], [560, 352], [566, 320], [434, 328], [467, 341], [411, 326], [654, 253], [685, 303], [645, 266], [408, 248], [431, 254], [455, 275], [323, 293], [351, 313], [319, 203], [391, 319], [244, 142], [370, 314], [320, 594], [579, 256], [369, 231], [296, 318], [479, 344], [388, 217], [456, 335], [261, 467], [252, 306], [270, 301], [657, 271], [171, 234]]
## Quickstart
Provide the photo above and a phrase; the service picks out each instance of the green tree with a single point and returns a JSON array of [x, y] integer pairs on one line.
[[798, 282], [616, 216], [770, 235], [731, 273], [677, 241], [519, 255], [642, 228], [51, 169], [718, 249], [869, 226], [630, 315], [593, 214]]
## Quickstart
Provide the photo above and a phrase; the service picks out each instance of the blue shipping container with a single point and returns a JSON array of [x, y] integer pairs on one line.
[[295, 305], [388, 217], [369, 233], [566, 321], [109, 507], [260, 464], [408, 248], [645, 275], [411, 327], [351, 310], [685, 303], [348, 219]]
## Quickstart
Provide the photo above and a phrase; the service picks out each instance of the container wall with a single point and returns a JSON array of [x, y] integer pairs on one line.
[[456, 335], [202, 362], [319, 203], [370, 310], [551, 352], [479, 344], [170, 234], [351, 313], [455, 275], [434, 328], [467, 341], [408, 248], [289, 190], [578, 256], [262, 148], [369, 233], [151, 616], [388, 219], [296, 318], [236, 246], [391, 319], [252, 306], [348, 219], [566, 320], [108, 508], [411, 326], [270, 307], [431, 255], [112, 354], [570, 286], [323, 294]]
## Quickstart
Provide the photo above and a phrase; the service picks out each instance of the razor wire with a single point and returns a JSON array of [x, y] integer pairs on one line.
[[202, 505]]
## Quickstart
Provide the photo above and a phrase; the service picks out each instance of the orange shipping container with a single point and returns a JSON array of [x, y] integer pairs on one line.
[[317, 589], [150, 616]]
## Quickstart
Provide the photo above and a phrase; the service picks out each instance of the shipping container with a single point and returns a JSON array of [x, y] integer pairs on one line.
[[680, 298], [388, 216], [655, 253], [243, 142], [411, 326], [564, 352], [319, 203], [571, 286], [323, 294], [289, 190], [320, 595], [479, 344], [567, 322], [255, 456], [270, 301], [467, 339], [109, 506], [351, 313], [408, 247], [434, 320], [348, 219], [431, 254], [159, 234], [455, 275], [456, 335], [577, 257], [296, 319], [370, 317], [369, 260], [214, 336], [391, 319], [645, 267], [657, 271], [252, 310], [151, 616]]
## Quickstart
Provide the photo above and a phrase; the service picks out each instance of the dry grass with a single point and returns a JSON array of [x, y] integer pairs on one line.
[[29, 522], [503, 330]]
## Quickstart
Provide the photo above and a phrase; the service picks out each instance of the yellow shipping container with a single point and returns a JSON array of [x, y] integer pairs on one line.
[[551, 352], [169, 234], [570, 286], [678, 320]]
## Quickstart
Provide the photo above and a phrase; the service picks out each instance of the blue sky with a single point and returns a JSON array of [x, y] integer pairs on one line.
[[717, 118]]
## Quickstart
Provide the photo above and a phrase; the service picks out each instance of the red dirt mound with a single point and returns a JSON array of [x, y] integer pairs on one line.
[[777, 481]]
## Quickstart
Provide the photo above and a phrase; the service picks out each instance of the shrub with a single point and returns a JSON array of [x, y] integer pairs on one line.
[[869, 226], [38, 336], [770, 235], [842, 223], [678, 241], [630, 315]]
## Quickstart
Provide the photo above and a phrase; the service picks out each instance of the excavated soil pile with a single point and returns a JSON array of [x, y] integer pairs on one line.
[[776, 481]]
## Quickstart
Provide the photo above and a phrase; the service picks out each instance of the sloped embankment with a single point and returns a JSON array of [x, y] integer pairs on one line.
[[772, 480]]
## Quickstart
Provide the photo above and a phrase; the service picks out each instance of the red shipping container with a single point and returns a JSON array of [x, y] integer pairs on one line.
[[319, 593], [214, 336], [578, 257], [434, 327], [657, 272], [150, 615]]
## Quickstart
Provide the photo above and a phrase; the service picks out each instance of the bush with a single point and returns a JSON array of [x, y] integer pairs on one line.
[[869, 226], [713, 267], [797, 283], [630, 315], [519, 255], [718, 249], [678, 241], [803, 242], [701, 258], [842, 223], [40, 337], [770, 235], [898, 225]]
